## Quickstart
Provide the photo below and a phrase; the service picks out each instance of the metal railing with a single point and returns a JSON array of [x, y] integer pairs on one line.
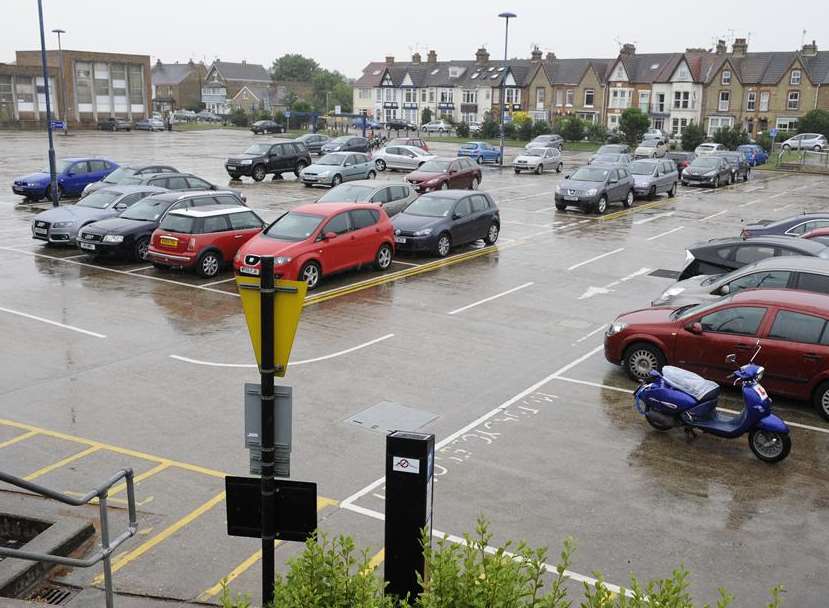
[[106, 547]]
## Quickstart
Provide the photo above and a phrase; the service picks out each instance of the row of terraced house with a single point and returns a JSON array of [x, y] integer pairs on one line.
[[715, 88]]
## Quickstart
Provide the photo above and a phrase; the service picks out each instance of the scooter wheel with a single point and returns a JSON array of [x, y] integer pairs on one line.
[[659, 426], [768, 446]]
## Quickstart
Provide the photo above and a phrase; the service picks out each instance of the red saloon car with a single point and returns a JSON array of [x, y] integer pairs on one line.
[[321, 239], [791, 327], [445, 173], [204, 238]]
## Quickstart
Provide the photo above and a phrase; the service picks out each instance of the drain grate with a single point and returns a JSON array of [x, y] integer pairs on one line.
[[53, 595], [664, 274]]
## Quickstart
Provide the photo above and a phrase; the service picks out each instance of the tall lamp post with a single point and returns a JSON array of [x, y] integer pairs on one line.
[[506, 17], [63, 113], [53, 176]]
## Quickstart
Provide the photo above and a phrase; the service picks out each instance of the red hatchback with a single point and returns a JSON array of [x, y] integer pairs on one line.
[[792, 327], [445, 173], [204, 238], [321, 239]]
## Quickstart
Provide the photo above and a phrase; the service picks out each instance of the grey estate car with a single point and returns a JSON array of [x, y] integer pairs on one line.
[[392, 197], [652, 176], [591, 188]]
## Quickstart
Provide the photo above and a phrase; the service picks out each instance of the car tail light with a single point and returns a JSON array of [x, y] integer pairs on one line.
[[191, 244]]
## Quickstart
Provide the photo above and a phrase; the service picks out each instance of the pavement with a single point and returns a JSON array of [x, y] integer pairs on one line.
[[499, 349]]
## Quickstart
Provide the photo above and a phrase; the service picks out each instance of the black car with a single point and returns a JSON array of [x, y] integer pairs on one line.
[[724, 255], [591, 188], [313, 142], [114, 124], [708, 170], [123, 176], [796, 225], [261, 159], [739, 165], [128, 236], [438, 221], [179, 182], [346, 143], [266, 126], [400, 125]]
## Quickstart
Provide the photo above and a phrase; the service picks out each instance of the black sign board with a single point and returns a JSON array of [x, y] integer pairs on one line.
[[296, 508]]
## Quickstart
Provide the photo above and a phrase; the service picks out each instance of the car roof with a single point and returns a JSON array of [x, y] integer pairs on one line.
[[75, 159], [806, 300], [795, 263], [795, 219], [166, 174], [176, 195], [210, 210], [132, 188], [772, 240], [328, 209], [455, 194], [641, 161]]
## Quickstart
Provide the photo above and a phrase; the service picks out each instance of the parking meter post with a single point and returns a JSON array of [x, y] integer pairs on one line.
[[364, 122], [409, 481], [267, 372], [53, 176]]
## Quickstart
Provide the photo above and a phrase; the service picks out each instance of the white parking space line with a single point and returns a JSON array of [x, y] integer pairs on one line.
[[803, 187], [526, 224], [219, 282], [521, 198], [292, 364], [779, 194], [50, 322], [750, 203], [652, 218], [595, 291], [140, 269], [594, 259], [490, 298], [590, 335], [544, 209], [783, 207], [754, 189], [75, 257], [405, 263], [659, 236], [713, 215]]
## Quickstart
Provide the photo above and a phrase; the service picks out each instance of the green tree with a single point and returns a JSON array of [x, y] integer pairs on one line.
[[509, 130], [815, 121], [290, 99], [541, 127], [692, 136], [293, 66], [462, 129], [597, 132], [330, 89], [572, 129], [634, 123], [489, 128], [425, 116], [239, 118], [731, 137]]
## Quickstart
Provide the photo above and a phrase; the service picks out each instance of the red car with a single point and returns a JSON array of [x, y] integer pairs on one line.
[[821, 235], [204, 238], [319, 239], [791, 327], [446, 173]]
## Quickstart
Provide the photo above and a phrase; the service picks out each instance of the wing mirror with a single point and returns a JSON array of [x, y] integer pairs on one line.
[[613, 181], [120, 206], [725, 290], [329, 236], [732, 359], [694, 328]]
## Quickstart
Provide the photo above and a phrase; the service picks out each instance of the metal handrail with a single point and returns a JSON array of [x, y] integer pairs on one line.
[[106, 547]]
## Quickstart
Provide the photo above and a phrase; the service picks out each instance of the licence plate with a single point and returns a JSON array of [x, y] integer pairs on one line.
[[571, 198], [42, 231], [231, 167], [89, 246], [761, 392], [168, 241], [249, 270], [400, 239]]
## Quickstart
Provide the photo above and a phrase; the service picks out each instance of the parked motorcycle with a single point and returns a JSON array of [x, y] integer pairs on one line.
[[680, 398]]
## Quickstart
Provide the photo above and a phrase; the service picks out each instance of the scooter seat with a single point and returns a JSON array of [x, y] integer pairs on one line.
[[690, 383]]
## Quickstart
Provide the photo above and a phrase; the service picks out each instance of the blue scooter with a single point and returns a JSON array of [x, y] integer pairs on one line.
[[677, 397]]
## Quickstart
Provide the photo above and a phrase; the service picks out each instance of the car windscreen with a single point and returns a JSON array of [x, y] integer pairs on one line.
[[258, 149], [607, 158], [435, 166], [178, 223], [469, 146], [706, 163], [119, 175], [60, 166], [609, 149], [648, 143], [683, 312], [148, 210], [534, 152], [348, 193], [294, 226], [98, 200], [332, 159], [590, 174], [341, 140], [642, 168], [431, 206]]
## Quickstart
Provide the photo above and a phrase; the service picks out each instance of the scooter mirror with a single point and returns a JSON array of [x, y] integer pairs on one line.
[[732, 358]]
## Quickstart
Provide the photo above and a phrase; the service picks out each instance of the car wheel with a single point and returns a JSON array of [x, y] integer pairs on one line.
[[372, 175], [259, 172], [817, 148], [561, 206], [479, 160], [337, 180], [517, 171], [475, 183], [492, 234], [672, 191], [628, 202], [716, 182], [444, 186], [786, 147], [382, 260], [652, 192], [820, 399], [311, 274], [601, 205], [444, 245], [641, 359], [299, 167], [209, 264], [380, 164], [539, 169], [141, 247], [746, 176]]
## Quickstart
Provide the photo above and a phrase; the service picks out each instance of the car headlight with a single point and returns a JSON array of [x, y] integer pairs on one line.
[[397, 231], [113, 238], [424, 232], [711, 174], [282, 259], [245, 162], [592, 192], [672, 292], [615, 328], [63, 224], [32, 184], [558, 187]]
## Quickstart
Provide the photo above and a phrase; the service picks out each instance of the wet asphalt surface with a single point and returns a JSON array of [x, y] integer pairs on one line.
[[159, 388]]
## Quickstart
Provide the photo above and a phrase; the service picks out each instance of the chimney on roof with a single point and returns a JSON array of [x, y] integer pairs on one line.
[[551, 56], [158, 62], [416, 58], [389, 59], [628, 50], [244, 62], [536, 55], [481, 55], [722, 49], [191, 62], [432, 57], [739, 48], [809, 50]]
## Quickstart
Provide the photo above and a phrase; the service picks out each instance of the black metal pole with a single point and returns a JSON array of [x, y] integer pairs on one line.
[[53, 176], [267, 372]]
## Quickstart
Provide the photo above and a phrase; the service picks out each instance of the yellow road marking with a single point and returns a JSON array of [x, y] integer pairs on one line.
[[61, 463], [216, 589], [139, 478], [375, 561], [19, 438], [114, 501], [130, 556]]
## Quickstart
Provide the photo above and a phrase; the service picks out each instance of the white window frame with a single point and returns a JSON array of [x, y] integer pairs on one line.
[[787, 123], [646, 96], [726, 77], [470, 96], [795, 78], [793, 95], [718, 122], [724, 101], [620, 98], [592, 93], [751, 101], [613, 121], [765, 96], [569, 98], [559, 97], [423, 94], [540, 98], [378, 94]]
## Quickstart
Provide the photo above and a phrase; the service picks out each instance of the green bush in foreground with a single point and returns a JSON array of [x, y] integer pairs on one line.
[[331, 573]]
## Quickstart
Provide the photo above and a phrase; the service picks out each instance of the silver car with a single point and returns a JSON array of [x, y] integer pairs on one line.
[[652, 176], [61, 224], [807, 141], [338, 167], [650, 148], [127, 175], [394, 198], [538, 160], [777, 272], [405, 158]]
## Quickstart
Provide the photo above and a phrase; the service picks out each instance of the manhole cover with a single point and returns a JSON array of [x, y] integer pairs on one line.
[[52, 594], [388, 416], [664, 274]]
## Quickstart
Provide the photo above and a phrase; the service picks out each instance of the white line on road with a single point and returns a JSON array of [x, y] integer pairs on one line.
[[490, 298], [652, 218], [543, 209], [713, 215], [754, 189], [413, 264], [779, 194], [659, 236], [598, 257], [783, 207], [521, 198], [141, 268], [803, 187], [219, 282], [295, 363], [591, 334], [55, 323], [750, 203]]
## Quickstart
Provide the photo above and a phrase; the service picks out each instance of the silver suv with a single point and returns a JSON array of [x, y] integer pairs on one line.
[[807, 141]]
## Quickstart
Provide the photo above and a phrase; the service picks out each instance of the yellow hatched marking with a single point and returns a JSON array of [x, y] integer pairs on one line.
[[375, 561], [18, 439], [61, 463]]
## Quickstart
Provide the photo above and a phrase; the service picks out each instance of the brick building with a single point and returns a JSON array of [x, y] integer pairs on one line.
[[177, 85]]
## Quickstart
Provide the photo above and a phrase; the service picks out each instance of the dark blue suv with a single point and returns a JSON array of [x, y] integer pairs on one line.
[[73, 176]]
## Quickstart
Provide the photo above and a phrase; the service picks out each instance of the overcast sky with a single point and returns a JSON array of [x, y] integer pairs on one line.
[[345, 35]]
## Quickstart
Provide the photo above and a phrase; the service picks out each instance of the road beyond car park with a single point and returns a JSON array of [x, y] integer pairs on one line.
[[497, 350]]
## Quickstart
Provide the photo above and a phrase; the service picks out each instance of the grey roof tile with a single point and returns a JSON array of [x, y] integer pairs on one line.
[[242, 71]]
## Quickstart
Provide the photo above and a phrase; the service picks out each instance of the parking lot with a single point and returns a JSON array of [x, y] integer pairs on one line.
[[498, 350]]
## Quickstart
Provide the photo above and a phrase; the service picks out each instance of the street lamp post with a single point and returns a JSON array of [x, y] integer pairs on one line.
[[53, 176], [63, 113], [506, 17]]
